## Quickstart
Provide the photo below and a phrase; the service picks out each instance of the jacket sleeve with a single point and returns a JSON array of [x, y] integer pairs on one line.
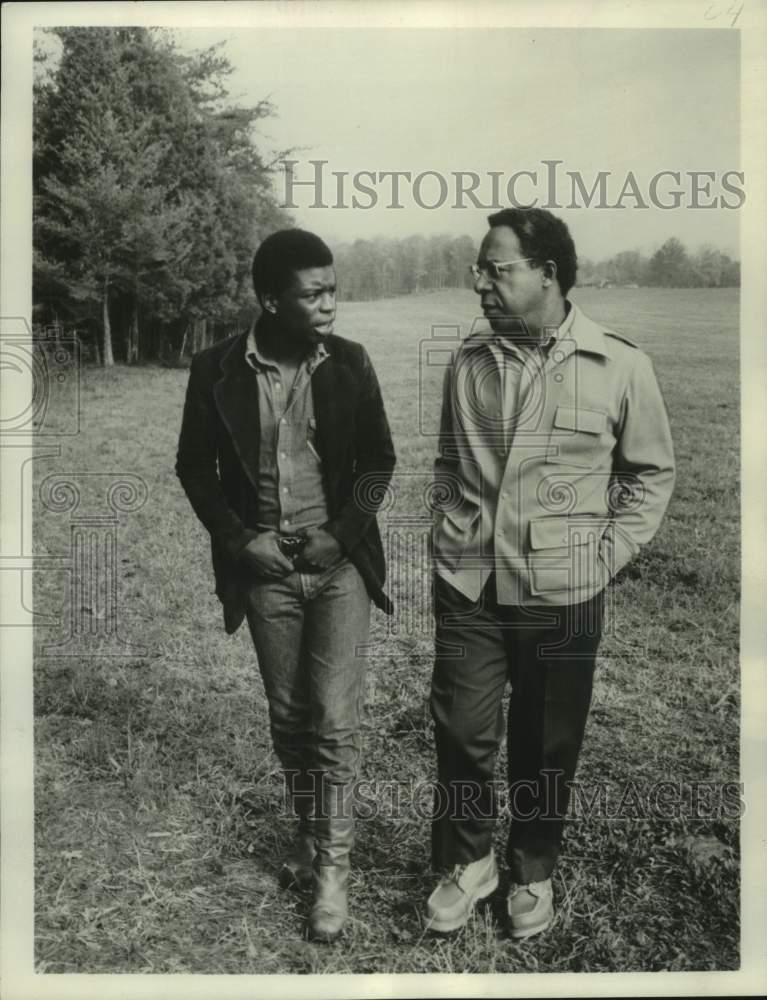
[[643, 468], [375, 461], [197, 466]]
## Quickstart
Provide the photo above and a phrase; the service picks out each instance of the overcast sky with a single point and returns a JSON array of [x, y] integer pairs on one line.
[[499, 100]]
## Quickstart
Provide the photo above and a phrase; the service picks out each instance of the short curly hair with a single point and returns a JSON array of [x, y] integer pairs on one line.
[[282, 254], [542, 236]]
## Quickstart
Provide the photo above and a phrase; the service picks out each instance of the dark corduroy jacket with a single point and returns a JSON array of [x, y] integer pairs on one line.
[[218, 454]]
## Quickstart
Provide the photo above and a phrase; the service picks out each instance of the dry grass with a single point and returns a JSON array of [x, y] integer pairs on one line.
[[159, 822]]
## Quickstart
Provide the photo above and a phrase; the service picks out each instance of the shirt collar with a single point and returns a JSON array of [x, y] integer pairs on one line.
[[257, 361]]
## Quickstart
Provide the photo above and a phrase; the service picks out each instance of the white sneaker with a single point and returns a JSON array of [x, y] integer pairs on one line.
[[456, 895]]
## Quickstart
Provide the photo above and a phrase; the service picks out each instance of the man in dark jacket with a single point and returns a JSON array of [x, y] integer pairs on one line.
[[284, 453]]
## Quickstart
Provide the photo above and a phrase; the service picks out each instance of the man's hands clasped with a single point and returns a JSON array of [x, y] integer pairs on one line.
[[264, 557], [322, 550]]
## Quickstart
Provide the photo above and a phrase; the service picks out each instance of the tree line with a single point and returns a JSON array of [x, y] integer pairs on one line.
[[151, 194], [380, 268], [669, 267]]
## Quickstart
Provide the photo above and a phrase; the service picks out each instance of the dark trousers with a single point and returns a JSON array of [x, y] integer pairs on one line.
[[548, 656]]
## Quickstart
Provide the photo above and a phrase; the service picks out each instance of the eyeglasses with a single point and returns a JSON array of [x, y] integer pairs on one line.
[[493, 268]]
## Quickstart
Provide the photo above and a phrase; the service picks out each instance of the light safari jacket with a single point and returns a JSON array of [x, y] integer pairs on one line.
[[588, 472]]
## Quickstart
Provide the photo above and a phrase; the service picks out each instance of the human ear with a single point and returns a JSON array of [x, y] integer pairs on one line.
[[549, 272]]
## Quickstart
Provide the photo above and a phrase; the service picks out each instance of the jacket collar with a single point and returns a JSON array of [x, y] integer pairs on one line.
[[234, 356], [588, 336], [577, 330]]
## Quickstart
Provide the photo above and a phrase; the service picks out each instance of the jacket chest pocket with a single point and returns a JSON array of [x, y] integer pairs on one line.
[[576, 436]]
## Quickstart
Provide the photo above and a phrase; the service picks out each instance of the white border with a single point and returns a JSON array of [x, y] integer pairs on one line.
[[16, 906]]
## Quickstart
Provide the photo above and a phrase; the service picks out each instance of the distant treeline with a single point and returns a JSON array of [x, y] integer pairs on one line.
[[382, 268], [374, 269], [669, 267], [151, 194]]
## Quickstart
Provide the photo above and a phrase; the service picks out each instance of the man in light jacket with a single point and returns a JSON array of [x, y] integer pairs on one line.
[[555, 465]]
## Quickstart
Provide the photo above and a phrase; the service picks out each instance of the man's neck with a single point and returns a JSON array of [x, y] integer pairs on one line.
[[551, 318], [538, 329], [274, 345]]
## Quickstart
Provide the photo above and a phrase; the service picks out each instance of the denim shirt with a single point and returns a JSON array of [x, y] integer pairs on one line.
[[291, 494]]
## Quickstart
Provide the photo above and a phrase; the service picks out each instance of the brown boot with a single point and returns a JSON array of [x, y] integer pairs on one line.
[[331, 902]]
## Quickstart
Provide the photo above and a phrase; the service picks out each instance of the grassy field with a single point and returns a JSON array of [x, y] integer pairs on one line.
[[159, 824]]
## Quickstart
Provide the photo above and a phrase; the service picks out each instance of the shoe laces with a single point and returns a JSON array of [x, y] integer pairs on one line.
[[455, 875], [536, 889]]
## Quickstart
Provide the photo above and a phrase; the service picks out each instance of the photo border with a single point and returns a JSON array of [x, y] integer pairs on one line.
[[16, 755]]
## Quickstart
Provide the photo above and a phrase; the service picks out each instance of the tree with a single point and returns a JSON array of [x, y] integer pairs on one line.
[[730, 272], [150, 192], [626, 268], [462, 254], [670, 266], [715, 269]]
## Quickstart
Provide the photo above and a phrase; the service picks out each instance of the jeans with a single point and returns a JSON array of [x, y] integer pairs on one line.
[[306, 628], [548, 655]]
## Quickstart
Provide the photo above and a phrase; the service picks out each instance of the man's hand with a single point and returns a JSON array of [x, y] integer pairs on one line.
[[262, 555], [321, 551]]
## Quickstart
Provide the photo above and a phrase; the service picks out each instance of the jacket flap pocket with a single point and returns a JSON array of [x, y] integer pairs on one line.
[[572, 419], [555, 533], [549, 532], [558, 532]]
